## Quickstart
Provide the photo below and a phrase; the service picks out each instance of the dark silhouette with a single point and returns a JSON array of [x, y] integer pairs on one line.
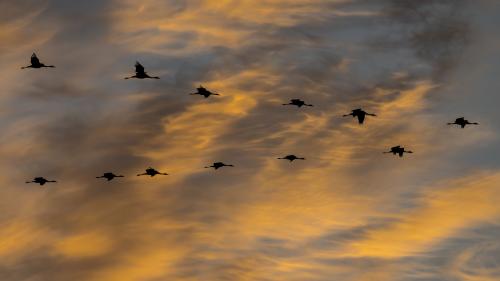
[[360, 114], [462, 122], [35, 63], [297, 102], [151, 172], [40, 180], [217, 165], [398, 150], [140, 73], [292, 157], [202, 91], [109, 176]]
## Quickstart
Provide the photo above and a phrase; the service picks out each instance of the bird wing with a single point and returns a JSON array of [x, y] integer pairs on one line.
[[139, 68], [361, 118], [34, 59]]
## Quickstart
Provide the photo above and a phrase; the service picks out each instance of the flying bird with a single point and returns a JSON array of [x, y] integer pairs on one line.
[[398, 150], [40, 180], [151, 172], [217, 165], [202, 91], [462, 122], [35, 63], [361, 114], [291, 157], [109, 176], [297, 102], [140, 73]]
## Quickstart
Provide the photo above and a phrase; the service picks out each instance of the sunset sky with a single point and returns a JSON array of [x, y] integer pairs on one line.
[[347, 213]]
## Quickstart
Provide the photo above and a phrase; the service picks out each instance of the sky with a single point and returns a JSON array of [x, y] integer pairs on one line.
[[348, 212]]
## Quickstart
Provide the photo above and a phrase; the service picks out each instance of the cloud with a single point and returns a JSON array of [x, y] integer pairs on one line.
[[348, 212]]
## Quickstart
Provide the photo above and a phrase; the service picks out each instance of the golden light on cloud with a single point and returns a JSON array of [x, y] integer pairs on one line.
[[443, 213], [84, 245], [345, 212]]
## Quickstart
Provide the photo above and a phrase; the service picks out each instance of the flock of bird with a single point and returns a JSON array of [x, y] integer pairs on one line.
[[140, 73]]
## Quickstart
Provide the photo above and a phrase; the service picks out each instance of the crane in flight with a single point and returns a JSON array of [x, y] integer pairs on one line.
[[398, 150], [462, 122], [291, 158], [202, 91], [297, 102], [35, 63], [40, 180], [217, 165], [360, 113], [152, 172], [109, 176], [140, 73]]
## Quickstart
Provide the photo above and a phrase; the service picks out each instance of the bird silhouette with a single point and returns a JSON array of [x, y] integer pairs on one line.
[[40, 180], [291, 157], [217, 165], [35, 63], [140, 73], [109, 176], [202, 91], [398, 150], [297, 102], [361, 114], [151, 172], [462, 122]]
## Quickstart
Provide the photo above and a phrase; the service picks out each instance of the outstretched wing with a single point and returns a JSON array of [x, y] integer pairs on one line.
[[34, 59], [139, 69], [361, 118]]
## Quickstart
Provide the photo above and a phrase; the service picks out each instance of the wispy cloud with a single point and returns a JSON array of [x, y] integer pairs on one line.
[[348, 212]]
